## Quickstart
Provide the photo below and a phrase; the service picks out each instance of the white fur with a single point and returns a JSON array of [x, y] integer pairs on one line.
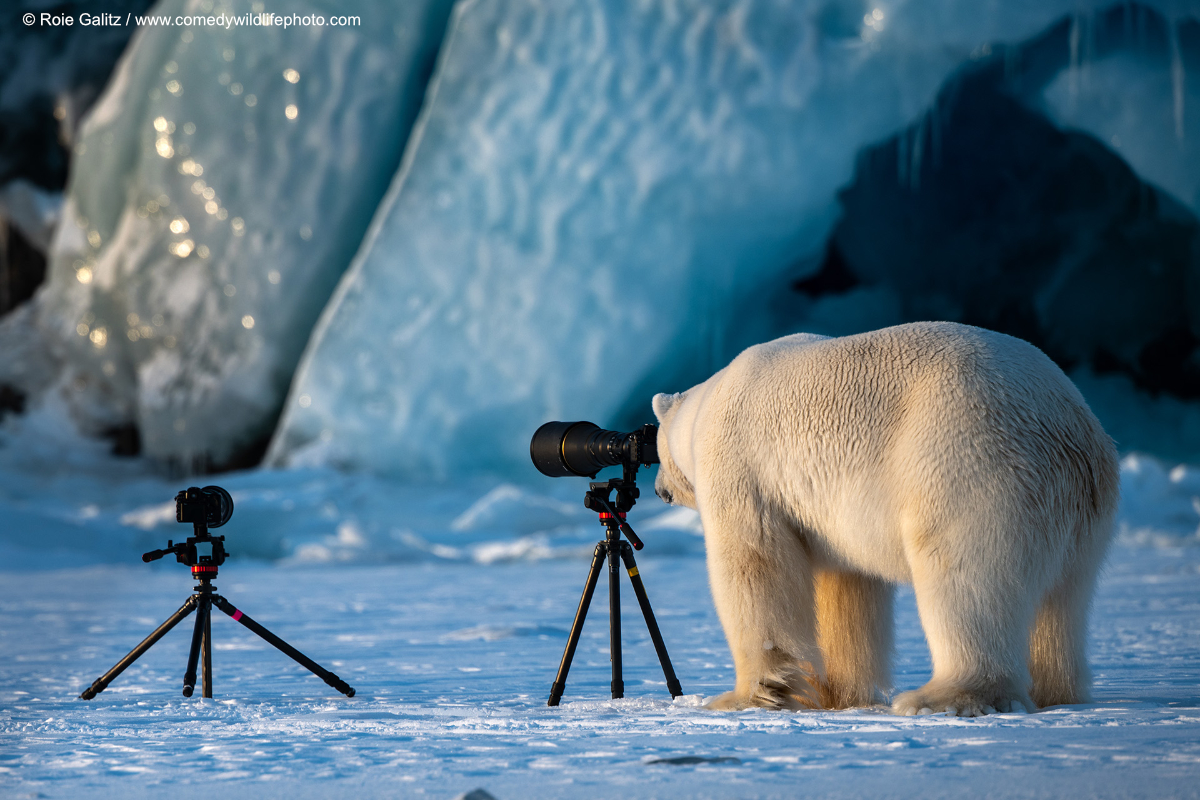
[[956, 459]]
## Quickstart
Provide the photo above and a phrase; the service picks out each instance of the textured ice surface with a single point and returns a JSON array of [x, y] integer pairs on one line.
[[218, 189], [986, 212], [452, 664], [592, 193]]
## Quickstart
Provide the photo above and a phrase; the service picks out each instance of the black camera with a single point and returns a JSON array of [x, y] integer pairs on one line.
[[581, 449], [211, 506]]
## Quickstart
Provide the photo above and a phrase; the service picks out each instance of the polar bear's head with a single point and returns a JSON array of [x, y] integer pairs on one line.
[[671, 485]]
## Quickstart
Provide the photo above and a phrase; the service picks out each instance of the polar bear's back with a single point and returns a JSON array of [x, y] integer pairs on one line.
[[902, 373], [898, 433]]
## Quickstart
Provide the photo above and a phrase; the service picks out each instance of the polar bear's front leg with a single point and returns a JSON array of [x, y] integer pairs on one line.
[[854, 628], [763, 589]]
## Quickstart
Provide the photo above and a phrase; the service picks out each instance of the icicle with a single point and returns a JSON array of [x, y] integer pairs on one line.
[[1073, 69], [1177, 79], [1089, 48], [935, 133], [1011, 57], [914, 172]]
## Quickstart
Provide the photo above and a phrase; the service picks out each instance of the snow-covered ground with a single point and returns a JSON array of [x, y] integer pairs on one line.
[[453, 662], [447, 609]]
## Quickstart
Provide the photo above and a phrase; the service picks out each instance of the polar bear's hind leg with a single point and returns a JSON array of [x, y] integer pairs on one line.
[[977, 623], [1058, 641]]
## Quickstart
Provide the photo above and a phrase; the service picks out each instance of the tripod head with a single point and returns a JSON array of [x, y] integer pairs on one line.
[[612, 512], [208, 507]]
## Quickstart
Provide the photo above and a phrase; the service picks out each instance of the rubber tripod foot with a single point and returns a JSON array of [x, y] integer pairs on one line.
[[340, 685]]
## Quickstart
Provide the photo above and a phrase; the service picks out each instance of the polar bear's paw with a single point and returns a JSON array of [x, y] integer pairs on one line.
[[730, 701], [796, 691], [778, 700], [959, 702]]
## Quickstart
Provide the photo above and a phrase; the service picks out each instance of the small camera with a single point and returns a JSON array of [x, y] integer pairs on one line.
[[211, 506]]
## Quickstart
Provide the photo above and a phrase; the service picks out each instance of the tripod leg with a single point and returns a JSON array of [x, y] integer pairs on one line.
[[206, 652], [104, 680], [651, 624], [614, 619], [189, 677], [284, 647], [560, 680]]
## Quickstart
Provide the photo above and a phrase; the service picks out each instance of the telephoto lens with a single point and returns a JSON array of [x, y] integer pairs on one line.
[[581, 449]]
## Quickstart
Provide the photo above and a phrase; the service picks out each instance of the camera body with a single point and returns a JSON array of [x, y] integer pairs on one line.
[[211, 506], [582, 449]]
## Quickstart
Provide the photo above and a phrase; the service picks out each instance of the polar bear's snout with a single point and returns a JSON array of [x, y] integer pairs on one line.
[[671, 487]]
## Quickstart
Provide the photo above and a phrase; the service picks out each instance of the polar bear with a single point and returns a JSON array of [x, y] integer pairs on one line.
[[957, 459]]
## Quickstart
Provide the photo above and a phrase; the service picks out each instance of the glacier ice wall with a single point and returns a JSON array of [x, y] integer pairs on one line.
[[593, 192], [986, 211], [1134, 83], [218, 189], [49, 76]]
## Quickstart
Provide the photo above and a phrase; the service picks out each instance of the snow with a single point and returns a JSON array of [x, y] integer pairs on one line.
[[63, 496], [593, 206], [447, 607], [452, 663], [204, 228]]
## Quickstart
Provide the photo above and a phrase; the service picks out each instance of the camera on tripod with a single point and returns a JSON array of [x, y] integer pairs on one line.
[[582, 449], [210, 507]]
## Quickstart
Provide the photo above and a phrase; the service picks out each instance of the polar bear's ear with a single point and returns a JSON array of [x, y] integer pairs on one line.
[[662, 403]]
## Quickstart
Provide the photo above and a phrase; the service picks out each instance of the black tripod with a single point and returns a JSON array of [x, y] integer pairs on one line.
[[204, 554], [597, 499]]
